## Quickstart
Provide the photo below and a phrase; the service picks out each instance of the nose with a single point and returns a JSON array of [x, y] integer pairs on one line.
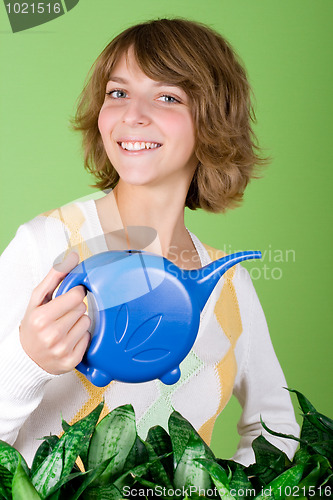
[[136, 113]]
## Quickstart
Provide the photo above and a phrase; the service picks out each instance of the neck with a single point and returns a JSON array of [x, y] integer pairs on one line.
[[160, 209]]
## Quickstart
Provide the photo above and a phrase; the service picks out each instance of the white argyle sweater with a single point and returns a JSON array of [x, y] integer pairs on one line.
[[232, 354]]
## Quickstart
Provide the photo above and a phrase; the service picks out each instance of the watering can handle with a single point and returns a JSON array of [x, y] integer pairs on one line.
[[72, 280], [75, 279]]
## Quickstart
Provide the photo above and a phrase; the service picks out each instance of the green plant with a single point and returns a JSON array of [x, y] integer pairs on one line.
[[118, 464]]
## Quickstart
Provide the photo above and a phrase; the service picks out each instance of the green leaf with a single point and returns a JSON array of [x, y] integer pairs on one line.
[[160, 440], [22, 488], [316, 427], [311, 438], [241, 484], [137, 455], [324, 448], [42, 452], [6, 479], [279, 434], [311, 434], [266, 453], [90, 477], [270, 461], [137, 474], [189, 472], [59, 463], [115, 490], [320, 421], [136, 489], [65, 425], [180, 431], [229, 465], [302, 456], [10, 458], [142, 453], [49, 472], [312, 478], [157, 470], [219, 477], [304, 403], [328, 481], [282, 435], [215, 470], [54, 496], [77, 437], [56, 490], [278, 487], [113, 436], [103, 492]]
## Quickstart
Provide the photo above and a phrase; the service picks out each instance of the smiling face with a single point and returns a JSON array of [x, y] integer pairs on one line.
[[147, 127]]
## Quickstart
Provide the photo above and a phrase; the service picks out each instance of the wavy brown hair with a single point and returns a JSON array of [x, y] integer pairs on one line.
[[201, 62]]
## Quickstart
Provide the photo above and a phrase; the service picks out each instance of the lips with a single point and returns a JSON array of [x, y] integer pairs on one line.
[[138, 145]]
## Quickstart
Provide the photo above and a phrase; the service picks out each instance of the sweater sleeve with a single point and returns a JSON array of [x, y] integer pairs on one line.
[[260, 382], [22, 380]]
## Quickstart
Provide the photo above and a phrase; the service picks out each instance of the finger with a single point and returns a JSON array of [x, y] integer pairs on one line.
[[63, 305], [68, 263], [61, 346], [80, 348], [80, 329], [79, 339], [65, 322], [43, 292], [65, 359]]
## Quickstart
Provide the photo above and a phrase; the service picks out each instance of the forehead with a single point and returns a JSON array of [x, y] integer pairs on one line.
[[127, 68], [149, 62], [126, 62]]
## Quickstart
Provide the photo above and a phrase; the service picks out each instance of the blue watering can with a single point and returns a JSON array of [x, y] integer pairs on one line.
[[146, 313]]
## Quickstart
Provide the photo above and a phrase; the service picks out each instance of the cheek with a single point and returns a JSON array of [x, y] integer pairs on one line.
[[105, 121], [102, 121], [182, 127]]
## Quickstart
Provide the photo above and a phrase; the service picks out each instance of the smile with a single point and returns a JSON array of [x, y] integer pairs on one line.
[[138, 146]]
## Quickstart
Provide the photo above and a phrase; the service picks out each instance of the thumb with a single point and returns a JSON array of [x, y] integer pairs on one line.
[[44, 291]]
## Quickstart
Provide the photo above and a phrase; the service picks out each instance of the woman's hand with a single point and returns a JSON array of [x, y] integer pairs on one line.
[[54, 333]]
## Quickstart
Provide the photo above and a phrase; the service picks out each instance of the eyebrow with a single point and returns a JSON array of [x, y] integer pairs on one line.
[[118, 79]]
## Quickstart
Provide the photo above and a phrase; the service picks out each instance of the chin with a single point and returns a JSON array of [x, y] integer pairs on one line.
[[136, 180], [137, 176]]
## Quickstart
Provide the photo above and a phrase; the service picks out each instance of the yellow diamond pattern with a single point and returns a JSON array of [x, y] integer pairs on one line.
[[228, 315], [72, 217]]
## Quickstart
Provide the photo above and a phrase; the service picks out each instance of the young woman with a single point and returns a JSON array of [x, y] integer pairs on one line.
[[166, 122]]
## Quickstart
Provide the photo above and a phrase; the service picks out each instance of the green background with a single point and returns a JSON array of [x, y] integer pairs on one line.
[[287, 48]]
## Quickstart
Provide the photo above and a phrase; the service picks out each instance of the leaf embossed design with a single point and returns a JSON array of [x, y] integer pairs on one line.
[[151, 355], [121, 323], [143, 333]]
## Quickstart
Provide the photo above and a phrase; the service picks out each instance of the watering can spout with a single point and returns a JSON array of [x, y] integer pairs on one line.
[[204, 280]]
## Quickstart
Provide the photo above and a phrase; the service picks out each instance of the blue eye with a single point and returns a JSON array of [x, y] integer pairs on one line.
[[117, 94], [168, 99]]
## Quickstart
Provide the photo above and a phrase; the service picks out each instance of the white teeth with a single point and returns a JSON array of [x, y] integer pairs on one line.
[[138, 146]]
